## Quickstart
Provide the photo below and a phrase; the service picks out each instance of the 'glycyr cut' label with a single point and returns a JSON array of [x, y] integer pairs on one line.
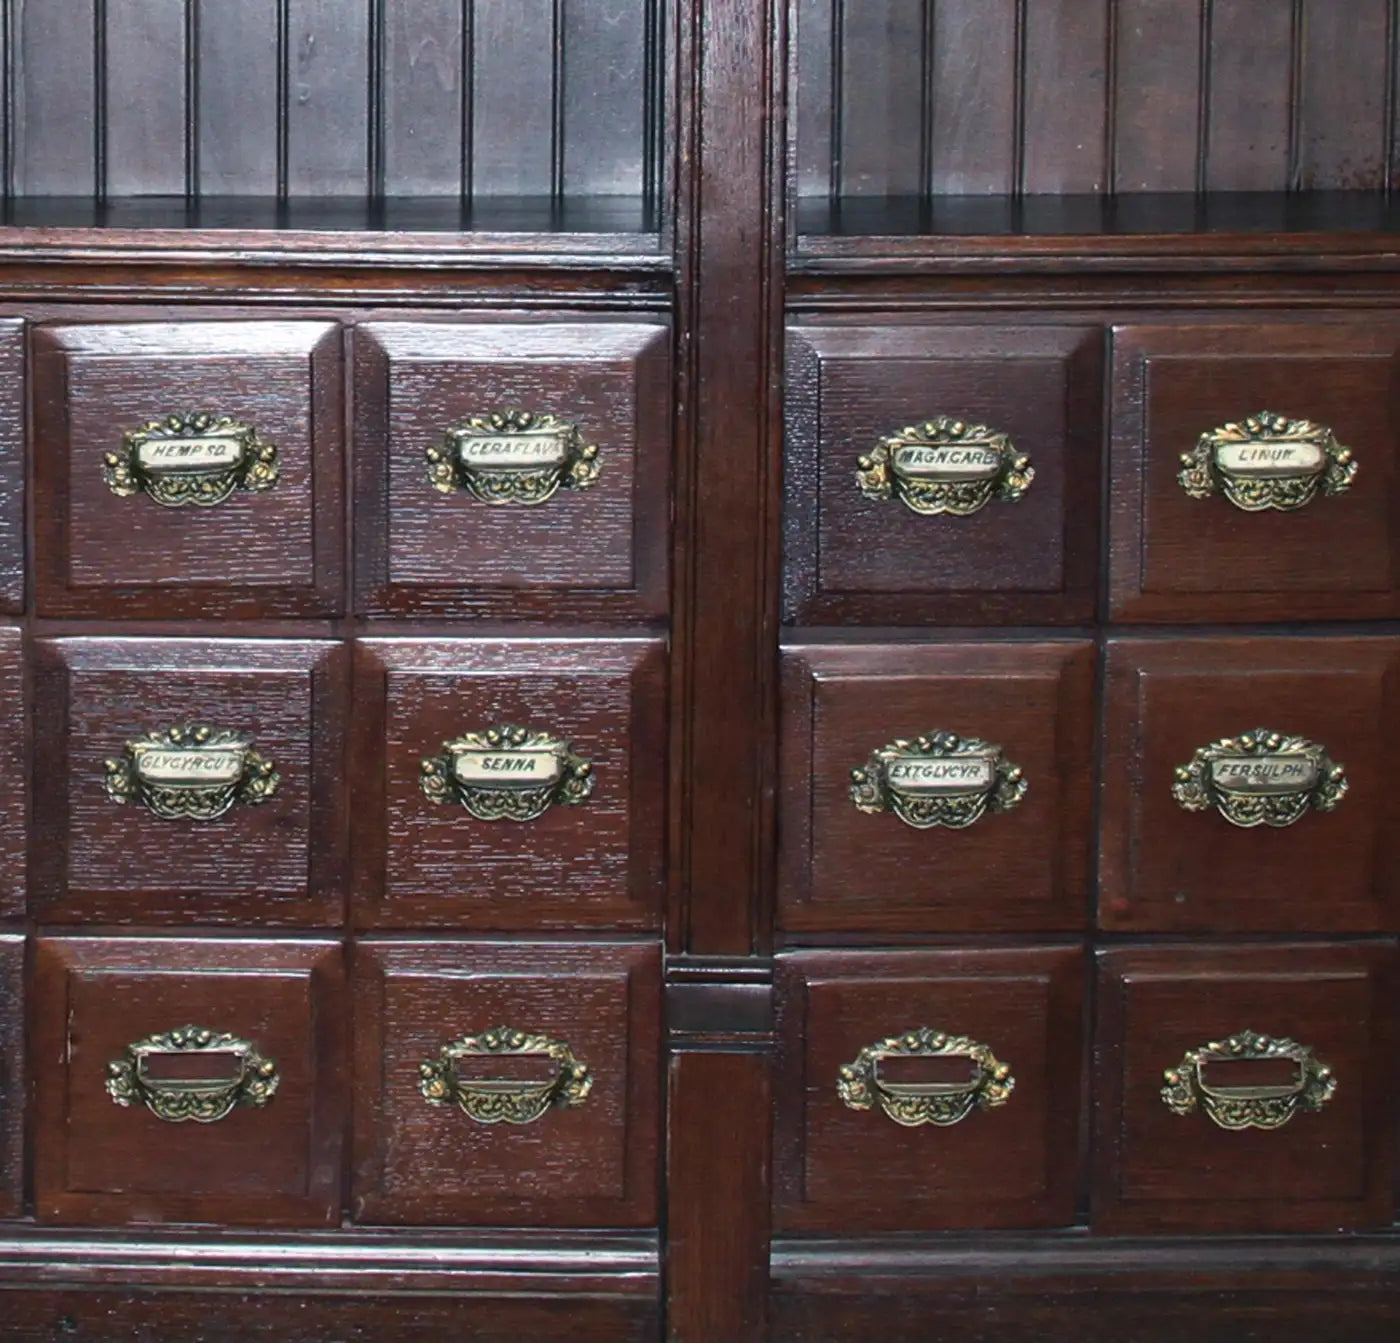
[[191, 765], [215, 452], [947, 461], [517, 451], [507, 768], [1264, 773], [934, 774], [1270, 459]]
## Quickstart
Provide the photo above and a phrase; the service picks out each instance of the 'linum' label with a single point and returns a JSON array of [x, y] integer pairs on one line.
[[214, 452], [956, 461], [519, 451], [1264, 774], [196, 765], [1270, 459], [507, 768], [966, 774]]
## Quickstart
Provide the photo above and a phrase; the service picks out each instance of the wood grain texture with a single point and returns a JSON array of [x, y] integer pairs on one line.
[[15, 711], [1346, 64], [98, 1162], [237, 112], [13, 400], [1326, 1170], [594, 1164], [1066, 96], [595, 865], [973, 100], [145, 97], [56, 133], [1250, 96], [423, 93], [13, 1084], [852, 1171], [278, 552], [279, 863]]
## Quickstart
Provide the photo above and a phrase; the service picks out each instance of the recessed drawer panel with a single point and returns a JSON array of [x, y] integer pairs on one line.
[[12, 1085], [189, 469], [941, 473], [923, 1090], [12, 444], [936, 787], [509, 783], [1254, 472], [189, 1081], [516, 468], [1249, 785], [190, 781], [507, 1084], [1245, 1088], [13, 782]]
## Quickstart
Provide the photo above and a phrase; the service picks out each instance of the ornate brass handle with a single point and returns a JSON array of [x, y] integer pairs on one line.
[[191, 772], [938, 779], [945, 465], [512, 457], [1240, 1107], [498, 1100], [1267, 461], [203, 1099], [507, 773], [195, 458], [1260, 778], [989, 1083]]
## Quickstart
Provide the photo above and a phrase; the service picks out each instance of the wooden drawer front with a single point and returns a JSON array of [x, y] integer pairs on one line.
[[12, 1089], [274, 1157], [165, 854], [1233, 863], [12, 402], [852, 557], [908, 869], [1010, 1161], [272, 551], [462, 858], [13, 755], [1317, 1169], [1179, 557], [582, 1152], [601, 548]]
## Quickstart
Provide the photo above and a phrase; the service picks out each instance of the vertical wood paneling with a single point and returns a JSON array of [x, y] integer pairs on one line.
[[327, 114], [238, 97], [1157, 95], [974, 97], [603, 97], [1250, 76], [423, 64], [145, 88], [1342, 97], [512, 104], [810, 80], [54, 98], [880, 116], [1066, 88]]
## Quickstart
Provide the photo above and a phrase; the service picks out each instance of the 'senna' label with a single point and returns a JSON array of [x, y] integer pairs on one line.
[[504, 768]]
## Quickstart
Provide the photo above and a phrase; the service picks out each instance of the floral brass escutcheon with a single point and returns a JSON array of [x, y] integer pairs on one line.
[[505, 1100], [195, 458], [945, 465], [191, 772], [1260, 778], [507, 774], [1267, 461], [911, 1104], [204, 1100], [512, 457], [1237, 1107], [938, 779]]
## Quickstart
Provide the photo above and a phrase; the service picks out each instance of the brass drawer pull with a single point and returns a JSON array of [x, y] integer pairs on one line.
[[191, 772], [1267, 461], [1260, 778], [496, 1100], [194, 458], [911, 1104], [945, 466], [938, 779], [507, 773], [1237, 1107], [512, 457], [203, 1099]]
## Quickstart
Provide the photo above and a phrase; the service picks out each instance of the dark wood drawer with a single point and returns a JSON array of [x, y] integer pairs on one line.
[[12, 456], [923, 1090], [475, 528], [12, 1075], [941, 834], [1221, 811], [222, 537], [1247, 1133], [555, 823], [1177, 556], [190, 780], [139, 1119], [14, 720], [507, 1083], [980, 558]]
